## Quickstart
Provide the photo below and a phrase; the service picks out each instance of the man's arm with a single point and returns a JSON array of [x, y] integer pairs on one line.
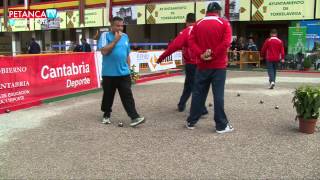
[[109, 47], [226, 41], [192, 42], [177, 44]]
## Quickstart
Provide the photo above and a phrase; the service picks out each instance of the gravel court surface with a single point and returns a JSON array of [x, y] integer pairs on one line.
[[66, 140]]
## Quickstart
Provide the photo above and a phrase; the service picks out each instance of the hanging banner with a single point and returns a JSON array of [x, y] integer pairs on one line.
[[239, 10], [15, 25], [140, 1], [266, 10], [297, 40], [201, 8], [73, 19], [57, 23], [93, 17], [130, 14], [313, 34], [27, 79], [168, 13], [151, 57]]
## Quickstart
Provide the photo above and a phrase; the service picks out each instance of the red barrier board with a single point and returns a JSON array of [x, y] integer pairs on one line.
[[29, 79]]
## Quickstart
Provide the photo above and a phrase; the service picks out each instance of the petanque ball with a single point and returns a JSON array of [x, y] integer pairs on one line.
[[120, 124], [276, 107]]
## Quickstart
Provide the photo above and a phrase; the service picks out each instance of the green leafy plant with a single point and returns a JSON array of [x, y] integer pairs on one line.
[[306, 100], [307, 62], [134, 75]]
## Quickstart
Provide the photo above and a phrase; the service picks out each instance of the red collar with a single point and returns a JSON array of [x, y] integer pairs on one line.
[[212, 14]]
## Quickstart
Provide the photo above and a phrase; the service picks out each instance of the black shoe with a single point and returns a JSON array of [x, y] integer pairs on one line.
[[205, 112], [190, 126], [181, 108]]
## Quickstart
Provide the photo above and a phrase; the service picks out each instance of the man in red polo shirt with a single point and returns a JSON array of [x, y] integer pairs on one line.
[[273, 51], [190, 60], [210, 40]]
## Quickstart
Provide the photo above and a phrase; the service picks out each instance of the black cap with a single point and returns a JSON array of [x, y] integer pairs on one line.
[[191, 18], [214, 6]]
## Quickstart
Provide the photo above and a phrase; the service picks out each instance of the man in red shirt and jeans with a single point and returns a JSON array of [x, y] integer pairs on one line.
[[210, 39], [273, 51], [181, 43]]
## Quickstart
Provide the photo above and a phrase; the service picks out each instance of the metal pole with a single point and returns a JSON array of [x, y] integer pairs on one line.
[[5, 13], [107, 10], [81, 12]]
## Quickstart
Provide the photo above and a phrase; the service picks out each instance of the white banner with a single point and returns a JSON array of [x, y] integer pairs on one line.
[[146, 57], [151, 58]]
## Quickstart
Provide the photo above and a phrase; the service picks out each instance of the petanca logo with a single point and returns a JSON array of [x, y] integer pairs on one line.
[[32, 13], [51, 13]]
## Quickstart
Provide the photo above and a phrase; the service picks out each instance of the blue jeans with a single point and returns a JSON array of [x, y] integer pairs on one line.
[[203, 80], [272, 71]]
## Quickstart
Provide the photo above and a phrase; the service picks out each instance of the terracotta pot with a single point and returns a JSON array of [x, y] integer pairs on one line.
[[307, 126]]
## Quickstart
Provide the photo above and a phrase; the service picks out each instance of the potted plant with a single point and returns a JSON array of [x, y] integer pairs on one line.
[[134, 75], [307, 64], [306, 101]]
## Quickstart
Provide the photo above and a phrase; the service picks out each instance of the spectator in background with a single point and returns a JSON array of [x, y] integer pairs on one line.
[[234, 45], [273, 51], [235, 56], [300, 60], [77, 48], [34, 47], [251, 46], [241, 44], [85, 47]]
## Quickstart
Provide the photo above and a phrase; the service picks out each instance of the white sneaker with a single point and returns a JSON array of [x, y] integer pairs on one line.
[[135, 122], [106, 120], [272, 84], [229, 128]]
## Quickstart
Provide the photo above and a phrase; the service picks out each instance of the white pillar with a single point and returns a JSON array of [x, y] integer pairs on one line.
[[16, 44], [79, 35], [87, 34], [47, 41], [14, 48], [26, 4], [107, 10], [33, 34]]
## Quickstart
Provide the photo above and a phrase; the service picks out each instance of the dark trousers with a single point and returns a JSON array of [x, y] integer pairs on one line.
[[203, 80], [272, 71], [123, 84], [190, 70]]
